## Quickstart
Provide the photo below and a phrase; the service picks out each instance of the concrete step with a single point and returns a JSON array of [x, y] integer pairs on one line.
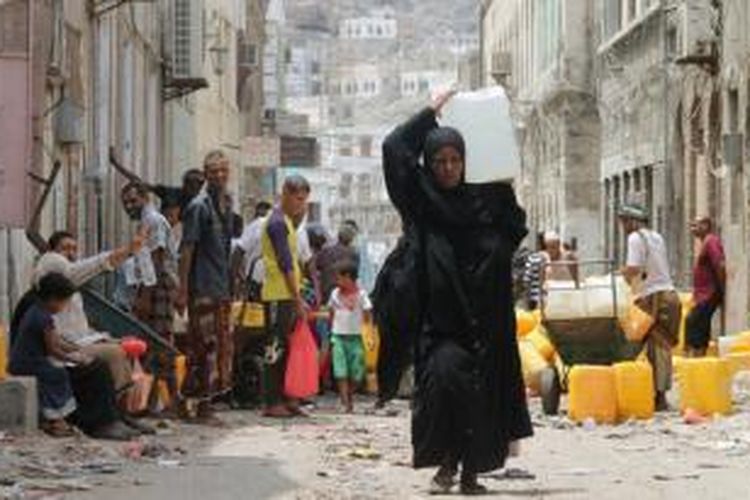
[[19, 408]]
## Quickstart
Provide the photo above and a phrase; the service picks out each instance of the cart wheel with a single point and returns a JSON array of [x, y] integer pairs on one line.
[[550, 389]]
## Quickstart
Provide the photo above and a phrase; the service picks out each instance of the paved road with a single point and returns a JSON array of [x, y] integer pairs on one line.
[[334, 456]]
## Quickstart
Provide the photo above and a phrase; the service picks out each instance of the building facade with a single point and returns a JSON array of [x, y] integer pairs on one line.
[[542, 53], [154, 82], [734, 77]]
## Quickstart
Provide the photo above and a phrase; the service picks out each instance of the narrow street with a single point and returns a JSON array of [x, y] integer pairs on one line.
[[331, 456]]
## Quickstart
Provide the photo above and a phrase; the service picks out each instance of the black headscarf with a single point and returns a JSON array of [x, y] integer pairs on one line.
[[439, 138]]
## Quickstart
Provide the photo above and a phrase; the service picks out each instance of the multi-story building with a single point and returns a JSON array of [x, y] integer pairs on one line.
[[542, 53], [116, 76], [276, 57], [735, 156], [659, 101], [380, 24]]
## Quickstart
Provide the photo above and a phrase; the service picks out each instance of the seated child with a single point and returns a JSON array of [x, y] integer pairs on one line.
[[72, 386]]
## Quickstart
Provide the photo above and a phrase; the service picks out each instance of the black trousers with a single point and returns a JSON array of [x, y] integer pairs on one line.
[[280, 320], [95, 397], [698, 325]]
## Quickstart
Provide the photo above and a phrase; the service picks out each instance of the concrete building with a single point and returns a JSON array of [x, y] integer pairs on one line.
[[659, 100], [379, 24], [542, 53], [735, 153], [276, 57], [121, 76], [426, 82], [635, 108]]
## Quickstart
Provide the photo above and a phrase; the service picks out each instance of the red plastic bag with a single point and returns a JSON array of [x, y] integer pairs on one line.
[[302, 368]]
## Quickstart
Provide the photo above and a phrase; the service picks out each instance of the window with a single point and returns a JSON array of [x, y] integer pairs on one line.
[[248, 54], [632, 10], [673, 42], [365, 146], [612, 18], [734, 111]]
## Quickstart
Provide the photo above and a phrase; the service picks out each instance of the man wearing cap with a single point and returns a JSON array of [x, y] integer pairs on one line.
[[647, 272], [709, 284]]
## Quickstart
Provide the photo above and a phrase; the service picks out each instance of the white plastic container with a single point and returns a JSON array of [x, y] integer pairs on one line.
[[483, 118]]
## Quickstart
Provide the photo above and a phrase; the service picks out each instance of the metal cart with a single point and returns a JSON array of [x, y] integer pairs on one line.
[[587, 340]]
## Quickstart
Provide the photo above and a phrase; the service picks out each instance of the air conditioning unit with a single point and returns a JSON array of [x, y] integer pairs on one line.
[[698, 24], [187, 39], [502, 65], [732, 149]]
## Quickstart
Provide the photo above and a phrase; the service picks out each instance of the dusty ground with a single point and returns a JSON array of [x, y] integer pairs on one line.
[[331, 456]]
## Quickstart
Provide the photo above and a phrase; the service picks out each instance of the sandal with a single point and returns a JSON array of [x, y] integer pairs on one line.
[[442, 483], [57, 428]]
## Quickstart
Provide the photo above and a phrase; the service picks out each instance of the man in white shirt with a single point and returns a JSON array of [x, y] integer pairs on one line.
[[72, 323], [153, 269], [647, 273], [247, 265]]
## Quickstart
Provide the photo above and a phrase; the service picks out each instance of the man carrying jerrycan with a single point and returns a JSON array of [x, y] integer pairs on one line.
[[647, 272]]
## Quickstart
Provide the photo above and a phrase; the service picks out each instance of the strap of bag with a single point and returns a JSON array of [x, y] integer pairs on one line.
[[647, 247], [654, 301]]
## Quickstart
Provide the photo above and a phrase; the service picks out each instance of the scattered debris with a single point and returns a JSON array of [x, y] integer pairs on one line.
[[169, 464], [580, 472], [664, 477], [513, 474], [365, 453]]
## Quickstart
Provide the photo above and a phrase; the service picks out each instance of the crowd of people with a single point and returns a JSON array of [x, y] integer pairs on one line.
[[189, 261], [647, 272], [443, 303]]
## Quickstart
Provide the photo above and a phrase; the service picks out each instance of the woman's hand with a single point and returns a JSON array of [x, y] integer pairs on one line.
[[441, 100]]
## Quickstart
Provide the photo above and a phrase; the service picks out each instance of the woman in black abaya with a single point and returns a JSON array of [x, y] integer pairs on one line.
[[469, 402]]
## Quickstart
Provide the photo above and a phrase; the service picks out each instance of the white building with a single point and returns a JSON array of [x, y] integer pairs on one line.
[[426, 82], [378, 25], [276, 57]]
